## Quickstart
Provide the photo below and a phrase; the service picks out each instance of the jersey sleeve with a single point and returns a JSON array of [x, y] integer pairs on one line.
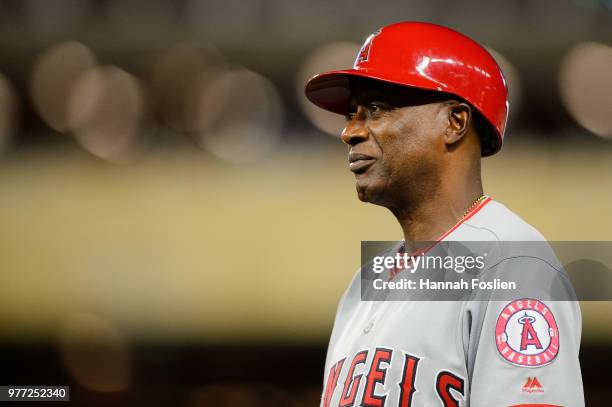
[[522, 349]]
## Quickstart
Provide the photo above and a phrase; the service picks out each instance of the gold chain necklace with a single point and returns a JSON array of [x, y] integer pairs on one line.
[[402, 249], [476, 202]]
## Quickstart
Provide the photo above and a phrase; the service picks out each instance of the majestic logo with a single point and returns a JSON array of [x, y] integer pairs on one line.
[[526, 333], [532, 386], [364, 53]]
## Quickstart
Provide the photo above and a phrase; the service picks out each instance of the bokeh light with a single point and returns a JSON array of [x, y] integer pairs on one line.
[[8, 112], [337, 55], [173, 75], [585, 85], [237, 114], [53, 75], [106, 109], [95, 352]]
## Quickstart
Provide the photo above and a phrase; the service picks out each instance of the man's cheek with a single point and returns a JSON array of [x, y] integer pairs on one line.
[[384, 168]]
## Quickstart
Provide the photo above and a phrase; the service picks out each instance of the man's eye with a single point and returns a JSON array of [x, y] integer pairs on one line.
[[350, 116], [375, 108]]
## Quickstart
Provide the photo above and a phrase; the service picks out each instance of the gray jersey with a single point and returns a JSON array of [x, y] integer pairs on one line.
[[522, 352]]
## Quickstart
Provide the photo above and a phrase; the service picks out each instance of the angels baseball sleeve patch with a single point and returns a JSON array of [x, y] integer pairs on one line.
[[526, 333]]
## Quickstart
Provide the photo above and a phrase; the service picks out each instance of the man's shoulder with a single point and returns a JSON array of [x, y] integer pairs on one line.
[[497, 222], [505, 235]]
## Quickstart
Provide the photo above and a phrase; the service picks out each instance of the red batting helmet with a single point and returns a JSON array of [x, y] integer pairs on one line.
[[425, 56]]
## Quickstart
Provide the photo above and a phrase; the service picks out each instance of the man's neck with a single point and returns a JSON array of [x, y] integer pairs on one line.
[[432, 218]]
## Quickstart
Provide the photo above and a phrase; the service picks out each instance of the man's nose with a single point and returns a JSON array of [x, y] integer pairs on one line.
[[355, 131]]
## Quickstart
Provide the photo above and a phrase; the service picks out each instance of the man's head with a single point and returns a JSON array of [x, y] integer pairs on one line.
[[403, 142], [422, 100]]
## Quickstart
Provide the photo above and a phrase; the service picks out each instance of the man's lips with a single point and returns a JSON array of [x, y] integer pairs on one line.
[[358, 162]]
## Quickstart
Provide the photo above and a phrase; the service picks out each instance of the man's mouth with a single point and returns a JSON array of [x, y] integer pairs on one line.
[[359, 163]]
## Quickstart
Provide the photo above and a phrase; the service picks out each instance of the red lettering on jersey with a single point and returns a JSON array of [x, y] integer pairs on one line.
[[408, 379], [376, 375], [529, 335], [446, 382], [332, 381], [352, 383]]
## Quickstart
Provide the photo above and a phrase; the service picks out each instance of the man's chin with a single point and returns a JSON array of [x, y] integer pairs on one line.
[[366, 192]]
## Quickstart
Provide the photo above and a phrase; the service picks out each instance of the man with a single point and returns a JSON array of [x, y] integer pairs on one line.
[[423, 104]]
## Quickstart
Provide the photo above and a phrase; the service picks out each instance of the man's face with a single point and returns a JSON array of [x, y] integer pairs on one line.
[[394, 143]]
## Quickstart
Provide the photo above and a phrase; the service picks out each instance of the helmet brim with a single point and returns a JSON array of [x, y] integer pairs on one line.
[[331, 91]]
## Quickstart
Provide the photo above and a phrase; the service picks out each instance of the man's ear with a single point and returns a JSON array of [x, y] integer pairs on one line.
[[459, 116]]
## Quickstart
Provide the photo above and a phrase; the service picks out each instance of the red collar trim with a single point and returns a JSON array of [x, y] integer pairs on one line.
[[467, 216]]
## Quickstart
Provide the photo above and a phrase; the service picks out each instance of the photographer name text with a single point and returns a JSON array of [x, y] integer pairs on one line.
[[427, 284]]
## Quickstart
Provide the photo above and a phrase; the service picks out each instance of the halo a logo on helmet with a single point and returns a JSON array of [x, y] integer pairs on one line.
[[526, 333], [364, 53]]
